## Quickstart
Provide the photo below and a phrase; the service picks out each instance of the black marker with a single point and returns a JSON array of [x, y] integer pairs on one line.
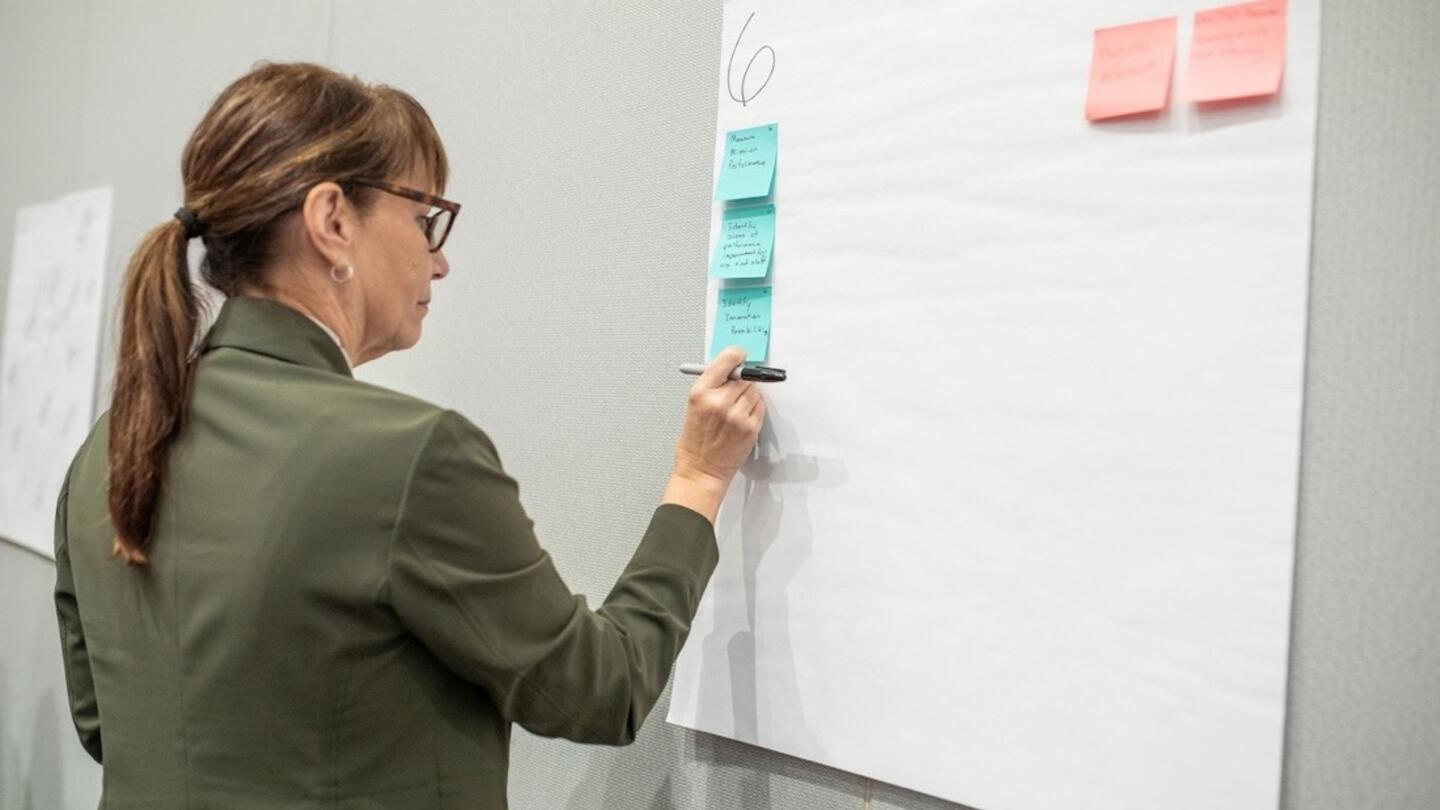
[[749, 373]]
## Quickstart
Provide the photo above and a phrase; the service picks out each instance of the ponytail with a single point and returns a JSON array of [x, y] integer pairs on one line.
[[158, 319], [269, 138]]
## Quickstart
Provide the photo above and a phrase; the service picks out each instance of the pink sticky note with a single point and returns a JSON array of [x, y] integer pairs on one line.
[[1237, 52], [1130, 69]]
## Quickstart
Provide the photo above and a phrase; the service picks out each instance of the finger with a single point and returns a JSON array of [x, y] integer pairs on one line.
[[758, 407], [735, 391], [755, 422], [718, 372], [746, 401]]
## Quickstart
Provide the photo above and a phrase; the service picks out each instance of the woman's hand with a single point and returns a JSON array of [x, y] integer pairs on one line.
[[722, 421]]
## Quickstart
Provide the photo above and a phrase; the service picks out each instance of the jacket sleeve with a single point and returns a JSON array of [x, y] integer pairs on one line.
[[79, 685], [466, 575]]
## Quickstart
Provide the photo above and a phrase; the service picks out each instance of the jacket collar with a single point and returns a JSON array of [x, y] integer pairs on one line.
[[262, 326]]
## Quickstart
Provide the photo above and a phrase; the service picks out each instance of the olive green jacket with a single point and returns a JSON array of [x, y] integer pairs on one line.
[[345, 605]]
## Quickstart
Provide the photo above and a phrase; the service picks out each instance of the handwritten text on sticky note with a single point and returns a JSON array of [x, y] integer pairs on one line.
[[747, 163], [742, 318], [1130, 69], [1237, 52], [747, 237]]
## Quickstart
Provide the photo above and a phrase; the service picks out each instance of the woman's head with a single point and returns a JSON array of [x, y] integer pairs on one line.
[[286, 174], [274, 172]]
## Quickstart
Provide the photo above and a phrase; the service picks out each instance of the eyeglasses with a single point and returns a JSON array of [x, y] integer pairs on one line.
[[437, 223]]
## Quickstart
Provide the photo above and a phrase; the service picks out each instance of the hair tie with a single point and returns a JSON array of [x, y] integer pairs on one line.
[[193, 226]]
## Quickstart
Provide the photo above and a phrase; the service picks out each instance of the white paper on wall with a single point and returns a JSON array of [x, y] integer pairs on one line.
[[1019, 532], [51, 348]]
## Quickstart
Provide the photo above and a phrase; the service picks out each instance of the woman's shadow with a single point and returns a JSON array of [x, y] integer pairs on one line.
[[753, 613]]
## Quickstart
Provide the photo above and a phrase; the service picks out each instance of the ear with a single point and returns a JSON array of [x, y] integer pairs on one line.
[[329, 222]]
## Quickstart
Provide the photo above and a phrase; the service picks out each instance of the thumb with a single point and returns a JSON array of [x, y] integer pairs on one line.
[[718, 372]]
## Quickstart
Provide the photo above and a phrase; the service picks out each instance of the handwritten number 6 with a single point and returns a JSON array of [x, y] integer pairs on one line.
[[743, 98]]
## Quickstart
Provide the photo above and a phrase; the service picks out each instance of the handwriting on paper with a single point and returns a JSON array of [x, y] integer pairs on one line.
[[51, 349], [1130, 69], [1237, 52], [745, 244], [745, 94], [742, 318]]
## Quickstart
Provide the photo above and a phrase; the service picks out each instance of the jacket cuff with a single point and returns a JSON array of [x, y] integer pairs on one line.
[[682, 540]]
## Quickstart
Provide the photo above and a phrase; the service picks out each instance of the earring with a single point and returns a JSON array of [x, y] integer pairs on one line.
[[341, 276]]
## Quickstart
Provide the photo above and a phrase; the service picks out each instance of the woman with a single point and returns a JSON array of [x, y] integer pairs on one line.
[[279, 587]]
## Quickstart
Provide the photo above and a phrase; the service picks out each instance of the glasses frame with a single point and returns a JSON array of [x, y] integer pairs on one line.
[[421, 197]]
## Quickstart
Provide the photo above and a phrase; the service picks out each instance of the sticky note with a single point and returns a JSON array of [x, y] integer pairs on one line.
[[1237, 52], [742, 318], [747, 236], [1130, 69], [747, 166]]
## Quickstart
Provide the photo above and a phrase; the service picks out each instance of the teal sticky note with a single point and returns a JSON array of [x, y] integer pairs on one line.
[[742, 318], [747, 237], [747, 166]]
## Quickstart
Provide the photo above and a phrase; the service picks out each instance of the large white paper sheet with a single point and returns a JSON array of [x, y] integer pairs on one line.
[[52, 343], [1019, 532]]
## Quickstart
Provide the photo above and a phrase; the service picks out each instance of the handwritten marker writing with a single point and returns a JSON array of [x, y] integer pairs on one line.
[[750, 373]]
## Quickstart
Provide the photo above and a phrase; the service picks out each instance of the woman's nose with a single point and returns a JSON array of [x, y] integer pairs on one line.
[[441, 266]]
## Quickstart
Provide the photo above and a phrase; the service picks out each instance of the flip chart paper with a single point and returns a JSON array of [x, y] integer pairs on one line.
[[47, 373], [1019, 529]]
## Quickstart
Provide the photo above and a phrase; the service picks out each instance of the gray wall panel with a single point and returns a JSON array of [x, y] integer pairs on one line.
[[42, 62], [42, 766], [1364, 709], [152, 68]]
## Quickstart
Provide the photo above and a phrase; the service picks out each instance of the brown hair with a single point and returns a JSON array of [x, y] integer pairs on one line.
[[266, 141]]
